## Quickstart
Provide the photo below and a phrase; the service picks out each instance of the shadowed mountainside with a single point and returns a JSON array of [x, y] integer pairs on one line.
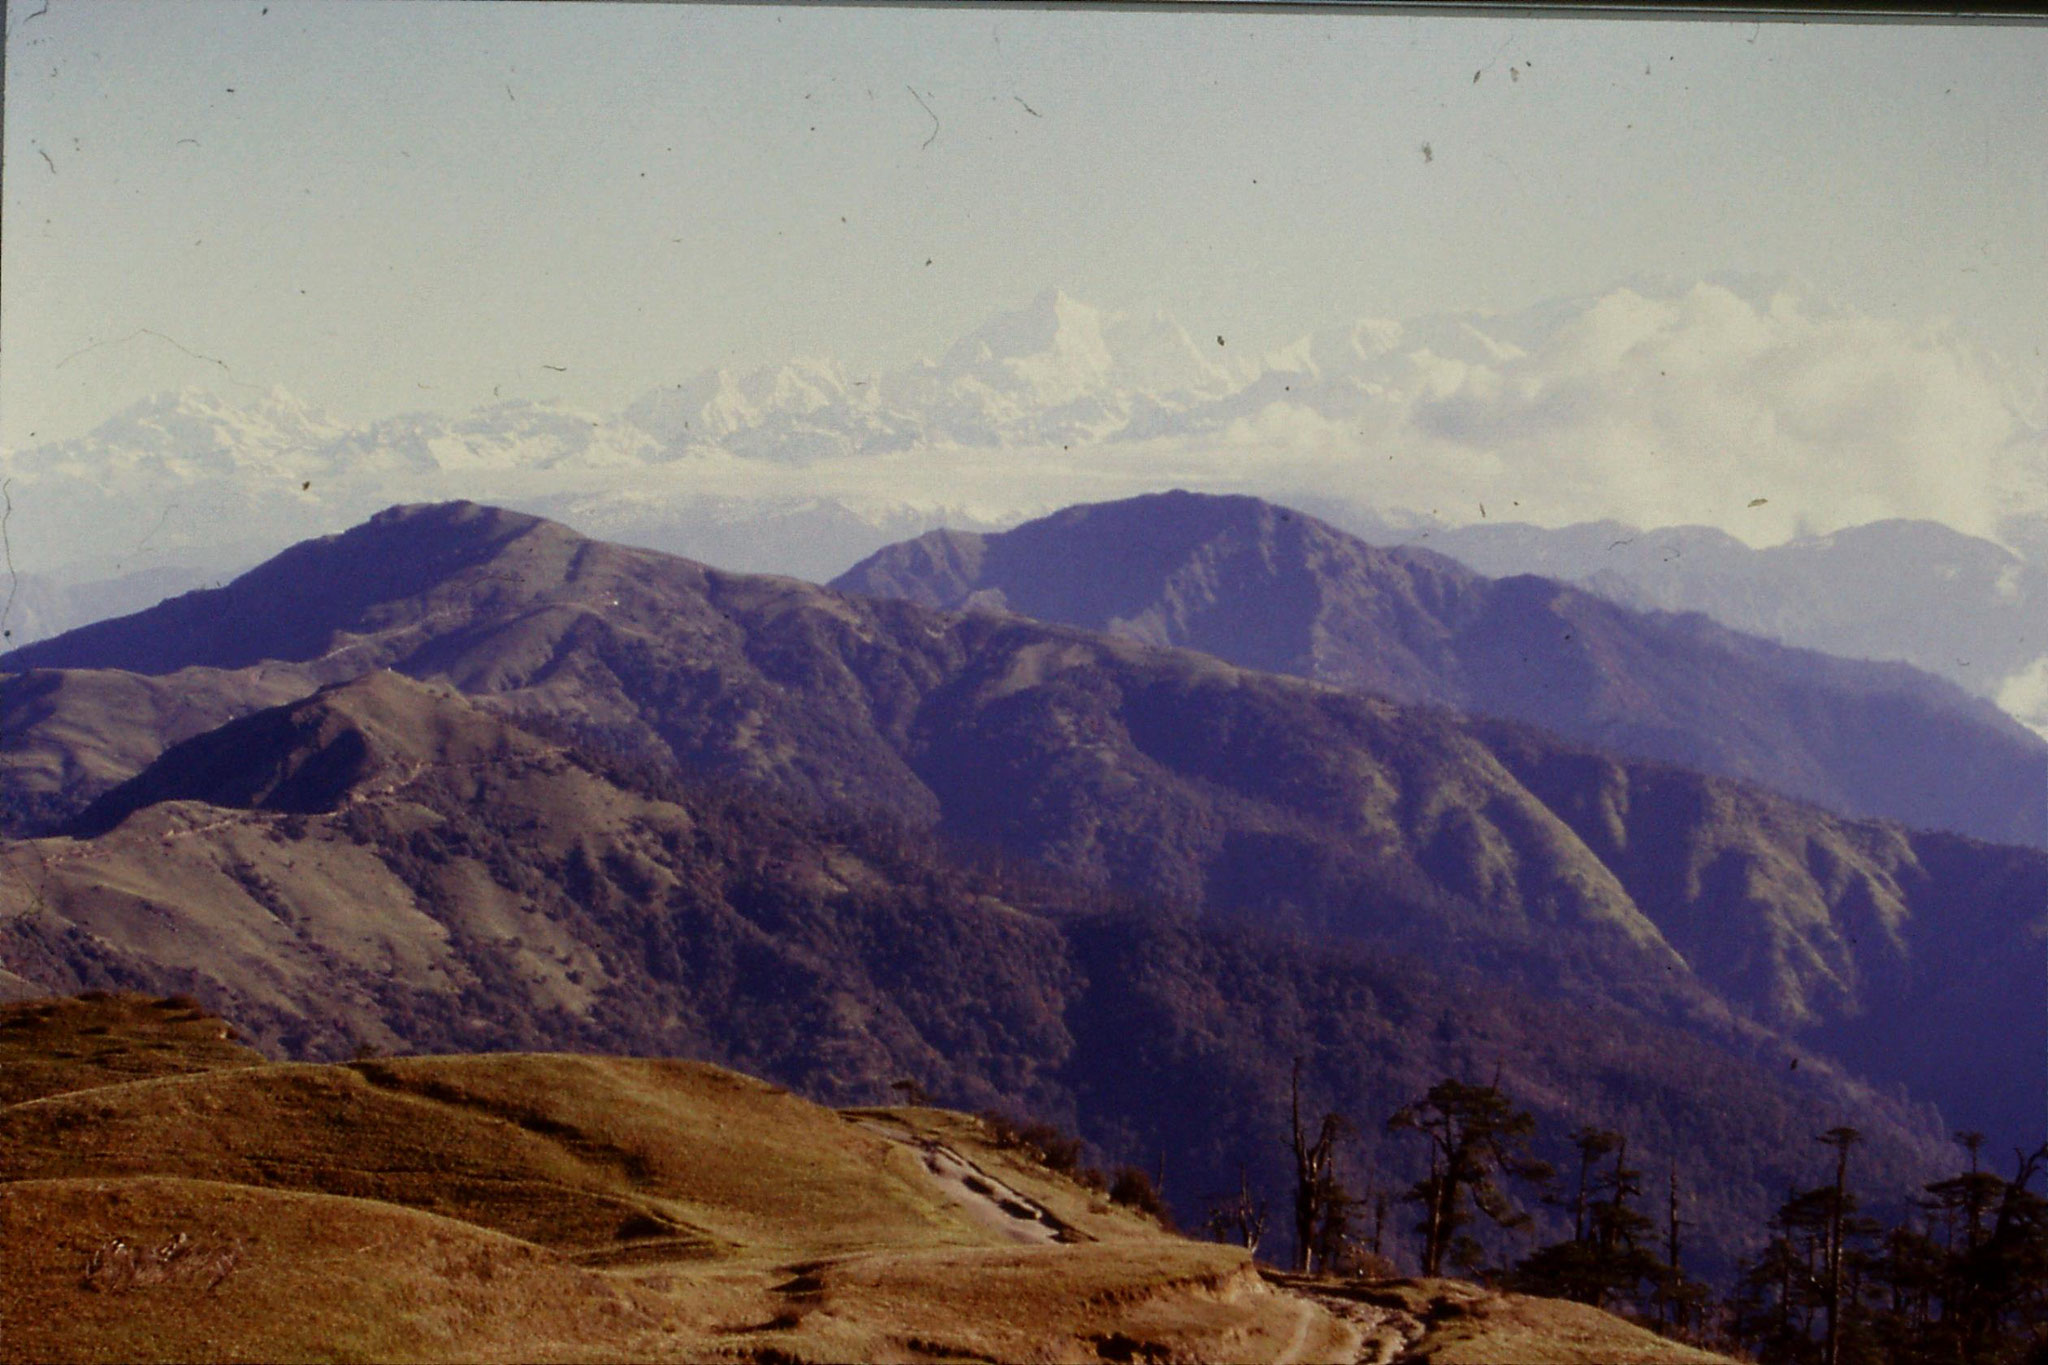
[[1277, 590], [1279, 801], [472, 885], [67, 735]]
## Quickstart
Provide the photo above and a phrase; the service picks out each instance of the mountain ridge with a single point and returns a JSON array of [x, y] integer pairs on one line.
[[1549, 410], [473, 885], [1280, 591], [1228, 792], [1966, 608]]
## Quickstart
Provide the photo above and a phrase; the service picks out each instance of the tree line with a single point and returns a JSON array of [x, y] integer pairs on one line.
[[1962, 1279]]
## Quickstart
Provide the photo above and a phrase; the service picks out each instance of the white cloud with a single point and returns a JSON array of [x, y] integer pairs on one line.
[[2024, 696], [1650, 404], [1687, 408]]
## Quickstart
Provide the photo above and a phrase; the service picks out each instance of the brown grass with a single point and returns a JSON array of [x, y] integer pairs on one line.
[[317, 1278], [1531, 1331], [165, 1197], [50, 1046]]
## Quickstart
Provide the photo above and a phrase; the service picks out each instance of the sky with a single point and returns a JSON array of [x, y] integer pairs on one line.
[[392, 206]]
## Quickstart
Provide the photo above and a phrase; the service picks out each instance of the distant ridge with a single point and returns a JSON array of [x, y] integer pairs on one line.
[[1963, 607], [287, 607], [1273, 589]]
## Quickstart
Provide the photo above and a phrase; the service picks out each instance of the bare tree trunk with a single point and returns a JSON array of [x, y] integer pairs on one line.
[[1440, 1208], [1676, 1314], [1841, 1139], [1304, 1185]]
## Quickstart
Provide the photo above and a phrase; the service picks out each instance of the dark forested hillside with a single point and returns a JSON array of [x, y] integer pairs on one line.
[[1240, 795], [1277, 590], [388, 864]]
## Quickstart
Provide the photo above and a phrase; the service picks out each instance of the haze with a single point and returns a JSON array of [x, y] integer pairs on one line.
[[401, 207]]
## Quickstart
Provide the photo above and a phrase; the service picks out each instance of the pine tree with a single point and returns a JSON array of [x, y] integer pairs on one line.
[[1841, 1139], [1781, 1292], [1476, 1136], [1977, 1294], [1607, 1259]]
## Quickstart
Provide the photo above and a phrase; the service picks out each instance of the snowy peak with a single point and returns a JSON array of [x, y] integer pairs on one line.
[[511, 435], [202, 420], [1155, 355], [1056, 370], [1754, 395], [190, 434], [1051, 324], [1050, 352], [1058, 350], [718, 403]]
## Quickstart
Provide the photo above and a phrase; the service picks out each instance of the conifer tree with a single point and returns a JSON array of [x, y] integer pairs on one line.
[[1841, 1139], [1607, 1259], [1970, 1288], [1476, 1136]]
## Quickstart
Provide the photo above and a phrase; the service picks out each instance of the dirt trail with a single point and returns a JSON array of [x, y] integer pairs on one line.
[[1305, 1316], [1384, 1334]]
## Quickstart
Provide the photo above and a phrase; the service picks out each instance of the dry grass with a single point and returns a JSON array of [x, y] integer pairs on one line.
[[562, 1151], [1452, 1322], [1514, 1327], [50, 1046], [316, 1278], [512, 1207], [163, 1197]]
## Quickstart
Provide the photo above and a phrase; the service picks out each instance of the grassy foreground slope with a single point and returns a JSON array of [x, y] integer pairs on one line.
[[522, 1206]]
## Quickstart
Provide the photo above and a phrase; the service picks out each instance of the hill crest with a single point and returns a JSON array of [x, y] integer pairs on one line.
[[1240, 795], [1280, 591], [564, 1207]]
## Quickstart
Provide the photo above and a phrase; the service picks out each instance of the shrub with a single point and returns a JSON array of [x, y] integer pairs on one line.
[[1134, 1189], [1054, 1149]]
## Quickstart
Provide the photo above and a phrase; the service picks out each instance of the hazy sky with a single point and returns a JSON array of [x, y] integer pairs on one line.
[[385, 206]]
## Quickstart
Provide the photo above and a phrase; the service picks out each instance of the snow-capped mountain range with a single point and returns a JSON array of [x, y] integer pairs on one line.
[[1746, 406], [1772, 381]]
